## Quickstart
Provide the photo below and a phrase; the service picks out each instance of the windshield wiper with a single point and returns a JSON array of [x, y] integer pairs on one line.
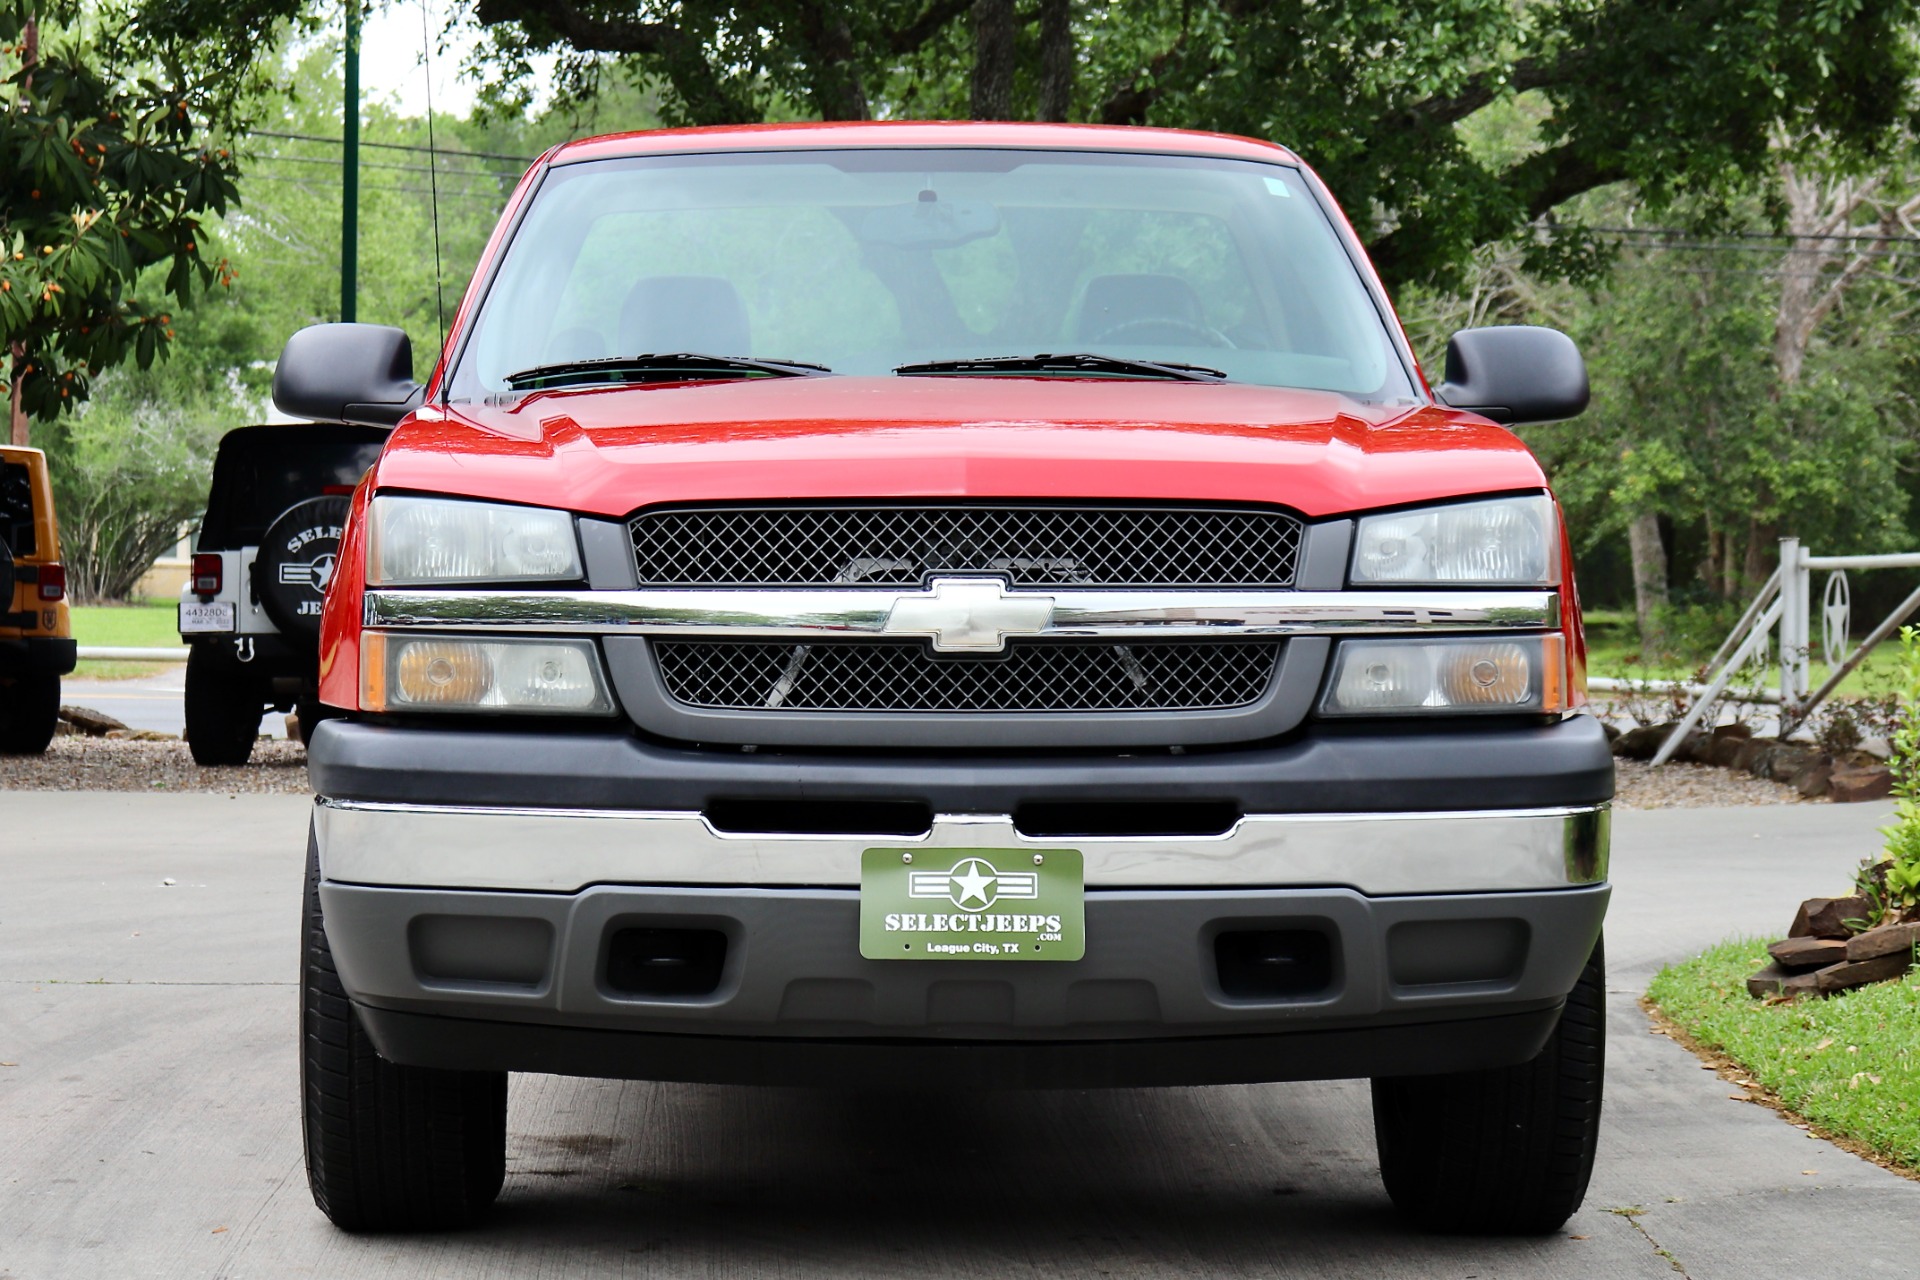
[[1069, 362], [671, 366]]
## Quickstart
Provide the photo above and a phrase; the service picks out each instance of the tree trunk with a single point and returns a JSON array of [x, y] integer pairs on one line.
[[1649, 576], [1759, 537], [1056, 59], [17, 416], [837, 91], [992, 59]]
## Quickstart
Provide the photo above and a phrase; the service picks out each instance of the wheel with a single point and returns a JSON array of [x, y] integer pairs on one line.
[[1507, 1151], [225, 701], [29, 710], [389, 1148]]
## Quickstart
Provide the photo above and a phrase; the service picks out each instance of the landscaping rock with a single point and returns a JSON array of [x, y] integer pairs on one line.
[[1725, 752], [1786, 761], [1612, 732], [1776, 981], [1827, 917], [1810, 953], [1640, 743], [140, 735], [1813, 780], [90, 722], [1852, 785], [1888, 939], [1878, 748], [1736, 730], [1752, 755], [1857, 973]]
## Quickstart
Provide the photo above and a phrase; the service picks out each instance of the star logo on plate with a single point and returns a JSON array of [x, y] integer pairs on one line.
[[973, 884]]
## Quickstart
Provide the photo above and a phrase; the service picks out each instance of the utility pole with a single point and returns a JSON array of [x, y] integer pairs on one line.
[[350, 169]]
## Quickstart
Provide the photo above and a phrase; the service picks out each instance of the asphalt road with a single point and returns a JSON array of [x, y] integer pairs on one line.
[[156, 702], [149, 1120]]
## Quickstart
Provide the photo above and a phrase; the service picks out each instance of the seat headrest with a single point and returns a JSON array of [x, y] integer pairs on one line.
[[684, 313]]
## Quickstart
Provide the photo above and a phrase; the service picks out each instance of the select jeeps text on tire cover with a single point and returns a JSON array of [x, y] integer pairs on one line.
[[264, 554], [949, 606], [36, 642]]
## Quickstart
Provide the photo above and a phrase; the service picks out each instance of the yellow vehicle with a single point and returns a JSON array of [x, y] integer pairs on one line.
[[36, 642]]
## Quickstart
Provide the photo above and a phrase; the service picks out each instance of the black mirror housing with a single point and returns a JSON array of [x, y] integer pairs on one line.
[[1515, 374], [354, 373]]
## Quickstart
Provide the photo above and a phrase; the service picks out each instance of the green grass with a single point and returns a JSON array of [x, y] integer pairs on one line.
[[1849, 1064], [149, 625], [1613, 651], [102, 669]]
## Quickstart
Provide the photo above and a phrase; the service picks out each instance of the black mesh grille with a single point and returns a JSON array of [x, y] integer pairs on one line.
[[897, 675], [902, 546]]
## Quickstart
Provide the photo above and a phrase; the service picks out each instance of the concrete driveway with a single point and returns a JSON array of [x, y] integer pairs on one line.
[[149, 1120]]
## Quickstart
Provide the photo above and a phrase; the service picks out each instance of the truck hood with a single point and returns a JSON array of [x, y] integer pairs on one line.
[[608, 451]]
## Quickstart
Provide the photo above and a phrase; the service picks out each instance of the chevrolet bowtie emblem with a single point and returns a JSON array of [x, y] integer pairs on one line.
[[969, 615]]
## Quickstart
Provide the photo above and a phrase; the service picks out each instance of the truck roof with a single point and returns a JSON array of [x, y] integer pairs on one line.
[[921, 133]]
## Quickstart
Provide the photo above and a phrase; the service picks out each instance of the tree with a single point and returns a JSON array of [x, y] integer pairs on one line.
[[1679, 97], [105, 171]]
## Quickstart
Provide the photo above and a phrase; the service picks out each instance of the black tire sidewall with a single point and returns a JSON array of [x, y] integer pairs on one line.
[[224, 703], [295, 564], [29, 713]]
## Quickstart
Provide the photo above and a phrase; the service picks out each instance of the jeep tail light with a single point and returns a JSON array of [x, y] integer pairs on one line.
[[209, 573], [53, 581]]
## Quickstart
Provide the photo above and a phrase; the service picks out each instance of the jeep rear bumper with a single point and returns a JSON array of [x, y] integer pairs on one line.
[[37, 655]]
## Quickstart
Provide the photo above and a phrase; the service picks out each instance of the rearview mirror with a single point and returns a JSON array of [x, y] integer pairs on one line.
[[1515, 374], [358, 373]]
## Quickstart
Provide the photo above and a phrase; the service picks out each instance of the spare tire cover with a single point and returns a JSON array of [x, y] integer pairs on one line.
[[295, 564]]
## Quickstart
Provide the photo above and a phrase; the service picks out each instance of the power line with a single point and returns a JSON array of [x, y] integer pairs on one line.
[[1843, 237], [391, 146], [375, 164]]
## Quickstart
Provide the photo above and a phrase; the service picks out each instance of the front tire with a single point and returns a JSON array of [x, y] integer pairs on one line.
[[29, 712], [389, 1148], [224, 704], [1507, 1151]]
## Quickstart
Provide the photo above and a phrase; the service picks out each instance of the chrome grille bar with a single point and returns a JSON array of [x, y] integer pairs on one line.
[[856, 612]]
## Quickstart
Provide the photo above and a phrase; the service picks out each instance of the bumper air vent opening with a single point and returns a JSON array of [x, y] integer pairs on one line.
[[820, 817], [1273, 964], [666, 962], [1106, 818]]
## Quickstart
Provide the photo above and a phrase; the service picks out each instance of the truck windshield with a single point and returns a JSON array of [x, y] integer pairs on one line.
[[867, 260]]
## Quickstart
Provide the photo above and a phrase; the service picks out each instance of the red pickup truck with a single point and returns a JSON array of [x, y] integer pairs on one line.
[[949, 606]]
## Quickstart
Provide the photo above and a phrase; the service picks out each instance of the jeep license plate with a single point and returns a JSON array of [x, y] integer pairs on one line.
[[972, 904], [203, 616]]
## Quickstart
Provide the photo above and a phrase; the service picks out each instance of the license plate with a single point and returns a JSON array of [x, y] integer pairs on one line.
[[972, 904], [200, 616]]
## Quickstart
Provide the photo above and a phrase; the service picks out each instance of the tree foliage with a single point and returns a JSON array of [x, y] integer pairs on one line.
[[105, 172], [1680, 97]]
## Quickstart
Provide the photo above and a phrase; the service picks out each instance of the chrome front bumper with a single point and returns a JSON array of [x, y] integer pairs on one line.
[[566, 850]]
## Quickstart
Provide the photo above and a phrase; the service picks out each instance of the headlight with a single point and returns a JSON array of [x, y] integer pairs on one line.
[[458, 673], [1451, 676], [434, 541], [1509, 542]]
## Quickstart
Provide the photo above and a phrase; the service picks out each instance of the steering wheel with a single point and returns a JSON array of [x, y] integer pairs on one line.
[[1207, 335]]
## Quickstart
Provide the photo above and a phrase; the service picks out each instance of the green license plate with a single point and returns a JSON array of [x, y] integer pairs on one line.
[[972, 904]]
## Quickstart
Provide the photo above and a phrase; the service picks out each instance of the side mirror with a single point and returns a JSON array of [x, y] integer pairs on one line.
[[357, 373], [1515, 374]]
